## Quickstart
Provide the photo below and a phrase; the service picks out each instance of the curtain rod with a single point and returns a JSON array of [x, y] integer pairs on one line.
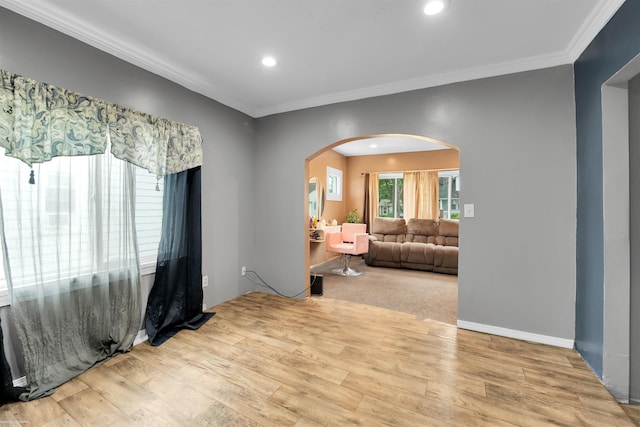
[[417, 170]]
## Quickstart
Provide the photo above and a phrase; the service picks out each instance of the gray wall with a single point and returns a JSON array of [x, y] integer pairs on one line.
[[516, 135], [634, 232]]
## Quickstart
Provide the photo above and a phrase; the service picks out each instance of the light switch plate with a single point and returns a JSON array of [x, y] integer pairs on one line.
[[469, 210]]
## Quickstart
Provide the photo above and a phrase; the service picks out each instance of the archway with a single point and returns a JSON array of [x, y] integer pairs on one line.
[[394, 154]]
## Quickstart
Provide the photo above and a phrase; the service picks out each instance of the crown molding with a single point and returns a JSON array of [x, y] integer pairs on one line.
[[54, 18], [58, 20], [595, 22], [527, 64], [597, 19]]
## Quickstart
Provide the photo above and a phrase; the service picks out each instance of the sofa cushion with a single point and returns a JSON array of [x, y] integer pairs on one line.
[[385, 252], [445, 260], [418, 238], [417, 253], [389, 226], [448, 228], [446, 241], [389, 229], [425, 227], [451, 241], [422, 230]]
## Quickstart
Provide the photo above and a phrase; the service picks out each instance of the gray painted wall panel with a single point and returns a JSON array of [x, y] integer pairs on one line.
[[517, 139], [634, 232]]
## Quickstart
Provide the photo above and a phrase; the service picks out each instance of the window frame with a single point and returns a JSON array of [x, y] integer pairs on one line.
[[395, 176], [449, 174], [334, 184]]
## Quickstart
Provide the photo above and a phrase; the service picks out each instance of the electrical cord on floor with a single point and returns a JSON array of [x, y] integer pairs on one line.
[[264, 283]]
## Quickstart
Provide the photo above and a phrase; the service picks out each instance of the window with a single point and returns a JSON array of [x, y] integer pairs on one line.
[[59, 202], [449, 194], [390, 195], [148, 214], [334, 184]]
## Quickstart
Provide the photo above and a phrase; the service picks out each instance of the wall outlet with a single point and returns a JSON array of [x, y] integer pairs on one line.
[[243, 272], [205, 281]]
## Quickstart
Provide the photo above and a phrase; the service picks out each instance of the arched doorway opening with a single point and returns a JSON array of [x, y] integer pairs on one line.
[[386, 158]]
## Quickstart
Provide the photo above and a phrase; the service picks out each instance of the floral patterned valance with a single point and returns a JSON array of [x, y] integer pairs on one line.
[[159, 145], [39, 121]]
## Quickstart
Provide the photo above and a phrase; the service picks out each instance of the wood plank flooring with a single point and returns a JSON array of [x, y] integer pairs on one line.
[[264, 360]]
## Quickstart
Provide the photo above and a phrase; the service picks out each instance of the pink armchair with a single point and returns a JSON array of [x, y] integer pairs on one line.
[[353, 240]]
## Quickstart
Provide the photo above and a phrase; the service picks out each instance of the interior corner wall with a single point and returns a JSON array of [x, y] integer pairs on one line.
[[516, 135], [36, 51], [611, 49]]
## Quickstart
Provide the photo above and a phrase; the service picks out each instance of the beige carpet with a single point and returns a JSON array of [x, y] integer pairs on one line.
[[424, 294]]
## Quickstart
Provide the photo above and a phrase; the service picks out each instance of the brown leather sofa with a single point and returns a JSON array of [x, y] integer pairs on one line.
[[418, 244]]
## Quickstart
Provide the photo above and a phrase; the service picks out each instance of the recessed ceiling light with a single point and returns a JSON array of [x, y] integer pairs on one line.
[[373, 145], [269, 61], [433, 7]]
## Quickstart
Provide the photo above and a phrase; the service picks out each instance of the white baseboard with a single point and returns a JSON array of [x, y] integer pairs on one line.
[[141, 337], [520, 335]]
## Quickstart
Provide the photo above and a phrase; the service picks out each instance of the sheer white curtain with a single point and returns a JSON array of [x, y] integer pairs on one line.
[[72, 263], [69, 242]]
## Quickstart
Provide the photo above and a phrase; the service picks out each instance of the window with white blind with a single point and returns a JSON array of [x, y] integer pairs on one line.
[[59, 202], [148, 214]]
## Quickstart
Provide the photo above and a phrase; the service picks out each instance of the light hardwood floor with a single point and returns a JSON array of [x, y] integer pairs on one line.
[[267, 360]]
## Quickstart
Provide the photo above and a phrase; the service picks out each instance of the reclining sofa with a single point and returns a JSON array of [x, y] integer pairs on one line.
[[418, 244]]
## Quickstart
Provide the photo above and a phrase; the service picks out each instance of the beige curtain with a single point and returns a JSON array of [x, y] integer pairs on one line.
[[372, 212], [421, 194]]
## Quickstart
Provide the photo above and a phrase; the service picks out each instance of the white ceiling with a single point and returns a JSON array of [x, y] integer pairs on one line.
[[328, 50], [387, 144]]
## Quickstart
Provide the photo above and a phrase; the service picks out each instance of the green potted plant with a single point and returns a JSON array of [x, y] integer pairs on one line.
[[352, 217]]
